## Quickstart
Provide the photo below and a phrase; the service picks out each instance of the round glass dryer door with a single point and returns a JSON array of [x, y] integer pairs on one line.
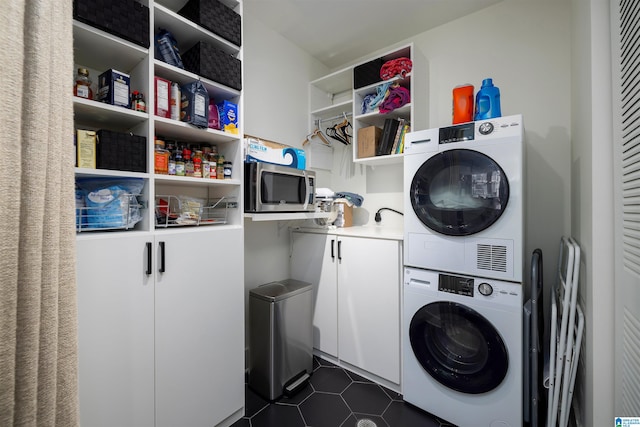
[[459, 192], [458, 347]]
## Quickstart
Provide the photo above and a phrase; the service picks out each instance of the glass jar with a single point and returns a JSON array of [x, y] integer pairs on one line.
[[227, 170], [197, 164], [220, 167], [188, 162], [137, 102], [161, 163], [82, 87], [179, 163]]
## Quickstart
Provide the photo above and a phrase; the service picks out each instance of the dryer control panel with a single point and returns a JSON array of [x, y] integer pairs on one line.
[[455, 285]]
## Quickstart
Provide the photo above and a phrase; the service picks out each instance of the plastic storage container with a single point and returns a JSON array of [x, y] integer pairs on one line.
[[488, 101], [280, 337]]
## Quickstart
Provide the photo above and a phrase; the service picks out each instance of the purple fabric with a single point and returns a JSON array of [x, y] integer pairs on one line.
[[398, 96]]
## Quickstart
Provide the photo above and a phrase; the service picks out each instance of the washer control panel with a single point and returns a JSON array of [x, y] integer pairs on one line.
[[455, 285]]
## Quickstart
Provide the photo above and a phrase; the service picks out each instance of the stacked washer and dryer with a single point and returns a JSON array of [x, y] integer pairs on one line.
[[463, 275]]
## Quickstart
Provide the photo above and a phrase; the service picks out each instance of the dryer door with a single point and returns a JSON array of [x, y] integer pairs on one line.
[[459, 192], [458, 347]]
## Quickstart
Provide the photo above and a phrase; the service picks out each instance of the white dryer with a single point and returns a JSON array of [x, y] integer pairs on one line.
[[464, 195], [462, 348]]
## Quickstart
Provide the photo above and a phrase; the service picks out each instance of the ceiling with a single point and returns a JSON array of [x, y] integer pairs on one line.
[[337, 32]]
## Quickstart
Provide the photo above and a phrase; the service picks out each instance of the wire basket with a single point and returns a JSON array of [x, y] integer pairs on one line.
[[179, 211], [121, 213]]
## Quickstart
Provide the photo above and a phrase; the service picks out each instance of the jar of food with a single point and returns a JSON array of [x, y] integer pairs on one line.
[[137, 102], [188, 162], [82, 87], [227, 170], [213, 165], [220, 167], [179, 163], [161, 156], [197, 164]]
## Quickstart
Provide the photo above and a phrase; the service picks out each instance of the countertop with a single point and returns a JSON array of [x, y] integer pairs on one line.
[[376, 232]]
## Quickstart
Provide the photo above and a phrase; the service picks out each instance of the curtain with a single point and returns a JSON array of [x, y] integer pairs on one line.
[[38, 314]]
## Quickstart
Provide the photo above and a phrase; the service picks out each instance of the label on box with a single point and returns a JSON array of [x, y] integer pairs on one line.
[[120, 92], [162, 98], [86, 148]]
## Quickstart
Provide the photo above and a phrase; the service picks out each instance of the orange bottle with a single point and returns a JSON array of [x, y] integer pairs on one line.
[[462, 104]]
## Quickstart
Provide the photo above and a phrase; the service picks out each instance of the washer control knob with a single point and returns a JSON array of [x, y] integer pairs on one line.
[[485, 289], [486, 128]]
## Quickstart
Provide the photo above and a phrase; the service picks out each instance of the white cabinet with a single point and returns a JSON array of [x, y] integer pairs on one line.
[[161, 348], [166, 323], [116, 331], [369, 305], [313, 260], [356, 283]]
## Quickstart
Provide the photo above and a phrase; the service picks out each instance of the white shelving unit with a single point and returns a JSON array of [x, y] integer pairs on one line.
[[148, 291], [334, 95]]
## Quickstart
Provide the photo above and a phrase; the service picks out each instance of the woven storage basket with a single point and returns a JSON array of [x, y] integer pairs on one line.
[[208, 61], [215, 17], [121, 151], [126, 19], [367, 73]]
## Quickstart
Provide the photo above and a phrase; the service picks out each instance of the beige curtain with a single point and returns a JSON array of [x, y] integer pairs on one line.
[[38, 326]]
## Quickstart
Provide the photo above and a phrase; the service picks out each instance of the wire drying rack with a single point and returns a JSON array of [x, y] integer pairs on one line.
[[567, 327], [180, 211]]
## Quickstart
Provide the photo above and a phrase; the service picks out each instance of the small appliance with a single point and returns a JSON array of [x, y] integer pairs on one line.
[[275, 188]]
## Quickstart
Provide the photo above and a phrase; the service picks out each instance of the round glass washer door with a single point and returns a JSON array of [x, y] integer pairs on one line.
[[458, 347], [459, 192]]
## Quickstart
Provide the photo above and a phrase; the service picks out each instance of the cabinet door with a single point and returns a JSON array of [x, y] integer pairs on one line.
[[314, 260], [369, 305], [200, 328], [115, 332]]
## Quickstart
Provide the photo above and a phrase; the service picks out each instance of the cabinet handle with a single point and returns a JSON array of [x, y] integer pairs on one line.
[[161, 269], [340, 250], [333, 255], [149, 257]]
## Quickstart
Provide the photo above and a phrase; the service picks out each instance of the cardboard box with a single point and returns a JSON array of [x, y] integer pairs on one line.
[[162, 105], [368, 140], [114, 88], [260, 150], [86, 148]]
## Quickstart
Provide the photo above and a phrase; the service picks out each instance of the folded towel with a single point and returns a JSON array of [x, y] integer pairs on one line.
[[351, 198]]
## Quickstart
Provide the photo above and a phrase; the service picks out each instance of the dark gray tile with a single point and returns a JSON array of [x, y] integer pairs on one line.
[[298, 397], [357, 378], [324, 362], [392, 394], [366, 398], [242, 422], [324, 410], [400, 414], [380, 422], [331, 380], [253, 402], [278, 415]]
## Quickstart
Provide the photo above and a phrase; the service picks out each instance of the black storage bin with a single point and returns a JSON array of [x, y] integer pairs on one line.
[[215, 17], [121, 151], [126, 19], [367, 74], [208, 61]]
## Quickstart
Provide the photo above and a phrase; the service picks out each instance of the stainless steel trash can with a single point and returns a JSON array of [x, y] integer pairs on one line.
[[280, 337]]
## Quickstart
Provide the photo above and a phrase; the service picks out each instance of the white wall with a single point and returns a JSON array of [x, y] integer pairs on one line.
[[592, 217], [276, 80]]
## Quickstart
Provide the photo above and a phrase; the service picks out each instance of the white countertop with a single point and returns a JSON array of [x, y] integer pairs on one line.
[[377, 232]]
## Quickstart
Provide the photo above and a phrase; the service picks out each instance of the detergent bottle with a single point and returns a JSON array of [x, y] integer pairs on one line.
[[487, 101]]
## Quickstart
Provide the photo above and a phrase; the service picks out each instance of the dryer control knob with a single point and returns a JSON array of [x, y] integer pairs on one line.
[[485, 289]]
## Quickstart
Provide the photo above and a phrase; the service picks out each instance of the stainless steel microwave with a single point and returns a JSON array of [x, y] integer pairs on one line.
[[274, 188]]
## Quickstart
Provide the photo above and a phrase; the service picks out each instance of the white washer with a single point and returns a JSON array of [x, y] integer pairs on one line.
[[463, 208], [462, 348]]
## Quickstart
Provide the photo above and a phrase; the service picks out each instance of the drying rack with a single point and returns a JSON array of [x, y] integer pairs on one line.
[[567, 326], [533, 361]]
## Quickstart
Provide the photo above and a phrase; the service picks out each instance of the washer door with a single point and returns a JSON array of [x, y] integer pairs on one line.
[[458, 347], [459, 192]]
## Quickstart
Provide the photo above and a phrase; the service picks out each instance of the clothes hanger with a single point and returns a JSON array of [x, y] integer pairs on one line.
[[317, 133]]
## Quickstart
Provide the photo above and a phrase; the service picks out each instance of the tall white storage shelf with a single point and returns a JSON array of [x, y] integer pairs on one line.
[[161, 324], [335, 97]]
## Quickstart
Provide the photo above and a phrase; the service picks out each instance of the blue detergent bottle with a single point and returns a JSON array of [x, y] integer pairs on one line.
[[487, 101]]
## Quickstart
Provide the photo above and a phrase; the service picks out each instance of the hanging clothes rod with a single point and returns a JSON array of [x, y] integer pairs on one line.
[[329, 119]]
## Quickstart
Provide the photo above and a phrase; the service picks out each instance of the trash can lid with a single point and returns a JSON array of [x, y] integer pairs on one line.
[[279, 290]]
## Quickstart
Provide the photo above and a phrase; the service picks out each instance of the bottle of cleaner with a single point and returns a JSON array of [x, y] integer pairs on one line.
[[488, 101]]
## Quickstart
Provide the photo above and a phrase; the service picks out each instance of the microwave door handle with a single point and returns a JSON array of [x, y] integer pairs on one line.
[[306, 199]]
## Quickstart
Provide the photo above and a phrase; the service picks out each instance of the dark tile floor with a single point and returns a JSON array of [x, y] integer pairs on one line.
[[335, 397]]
